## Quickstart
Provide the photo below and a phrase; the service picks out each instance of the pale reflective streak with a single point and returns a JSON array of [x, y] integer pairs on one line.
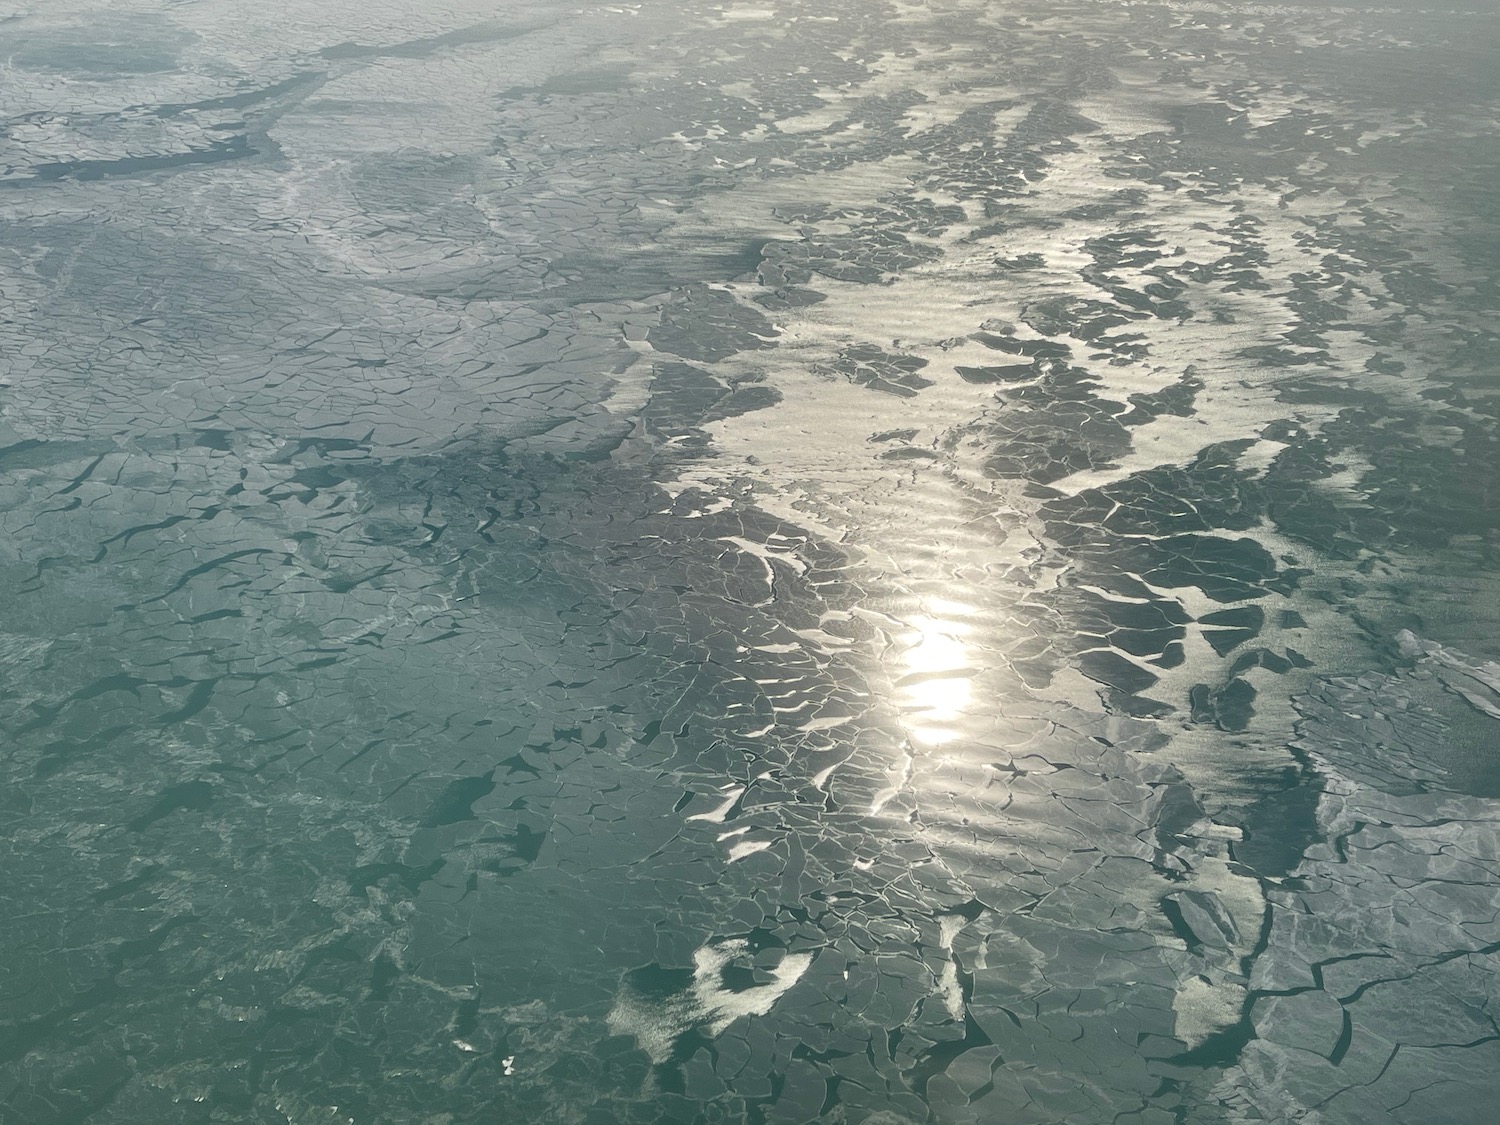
[[933, 690]]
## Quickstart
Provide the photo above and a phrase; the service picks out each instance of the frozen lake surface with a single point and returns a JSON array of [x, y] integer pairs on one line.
[[749, 563]]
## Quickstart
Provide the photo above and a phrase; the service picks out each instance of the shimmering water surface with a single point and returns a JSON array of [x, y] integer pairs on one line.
[[760, 562]]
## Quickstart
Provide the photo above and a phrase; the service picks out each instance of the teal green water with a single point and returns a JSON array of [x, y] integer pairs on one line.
[[854, 563]]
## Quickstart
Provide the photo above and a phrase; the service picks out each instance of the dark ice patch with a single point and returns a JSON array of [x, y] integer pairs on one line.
[[189, 796], [706, 325], [456, 801], [867, 365]]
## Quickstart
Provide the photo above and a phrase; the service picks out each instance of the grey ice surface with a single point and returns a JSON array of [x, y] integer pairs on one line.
[[749, 563]]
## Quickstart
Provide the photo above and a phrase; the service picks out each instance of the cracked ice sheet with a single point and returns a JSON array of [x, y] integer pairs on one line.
[[517, 534], [1373, 996]]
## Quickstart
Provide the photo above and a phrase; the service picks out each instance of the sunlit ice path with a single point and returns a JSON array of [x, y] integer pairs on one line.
[[758, 563]]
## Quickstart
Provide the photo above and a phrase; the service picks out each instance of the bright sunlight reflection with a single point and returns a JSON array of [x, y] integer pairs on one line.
[[934, 690]]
